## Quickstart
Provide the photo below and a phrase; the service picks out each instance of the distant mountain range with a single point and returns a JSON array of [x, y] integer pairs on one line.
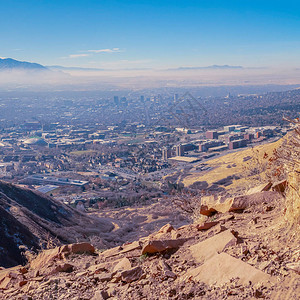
[[62, 68], [11, 64], [216, 67]]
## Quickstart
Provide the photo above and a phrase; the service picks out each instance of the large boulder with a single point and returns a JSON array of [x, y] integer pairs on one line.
[[166, 228], [155, 246], [210, 205], [80, 248], [222, 268], [129, 247], [122, 265], [11, 277], [64, 267], [132, 274], [246, 201], [279, 186], [207, 205], [260, 188], [206, 225], [99, 268], [211, 246]]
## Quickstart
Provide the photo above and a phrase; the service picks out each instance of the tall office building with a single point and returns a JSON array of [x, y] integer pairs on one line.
[[166, 153], [179, 150], [176, 97], [116, 100]]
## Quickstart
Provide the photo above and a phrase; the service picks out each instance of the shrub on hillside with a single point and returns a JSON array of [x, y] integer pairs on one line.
[[290, 156]]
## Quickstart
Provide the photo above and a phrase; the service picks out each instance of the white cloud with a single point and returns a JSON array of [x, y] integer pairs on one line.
[[78, 55], [89, 52], [113, 50]]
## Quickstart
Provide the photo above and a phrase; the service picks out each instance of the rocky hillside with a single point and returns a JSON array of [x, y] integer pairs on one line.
[[239, 251], [289, 156], [30, 220]]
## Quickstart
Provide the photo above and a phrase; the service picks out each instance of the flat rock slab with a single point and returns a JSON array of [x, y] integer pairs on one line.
[[279, 186], [207, 225], [155, 246], [104, 277], [260, 188], [211, 246], [210, 205], [10, 276], [221, 268], [245, 201], [132, 274], [103, 267], [121, 249], [123, 265], [112, 251], [130, 247]]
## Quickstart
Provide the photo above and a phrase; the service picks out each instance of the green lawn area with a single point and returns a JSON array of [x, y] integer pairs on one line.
[[78, 153]]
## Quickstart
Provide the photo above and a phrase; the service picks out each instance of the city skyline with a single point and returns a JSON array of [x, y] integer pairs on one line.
[[152, 34]]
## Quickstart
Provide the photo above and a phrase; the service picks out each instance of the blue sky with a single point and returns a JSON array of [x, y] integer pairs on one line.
[[154, 34]]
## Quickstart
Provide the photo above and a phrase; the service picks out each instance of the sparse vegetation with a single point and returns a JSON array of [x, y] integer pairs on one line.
[[289, 156], [143, 257], [49, 242], [246, 170], [256, 165], [189, 203]]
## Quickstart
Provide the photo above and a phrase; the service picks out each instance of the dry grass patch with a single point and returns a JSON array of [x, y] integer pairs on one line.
[[234, 164]]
